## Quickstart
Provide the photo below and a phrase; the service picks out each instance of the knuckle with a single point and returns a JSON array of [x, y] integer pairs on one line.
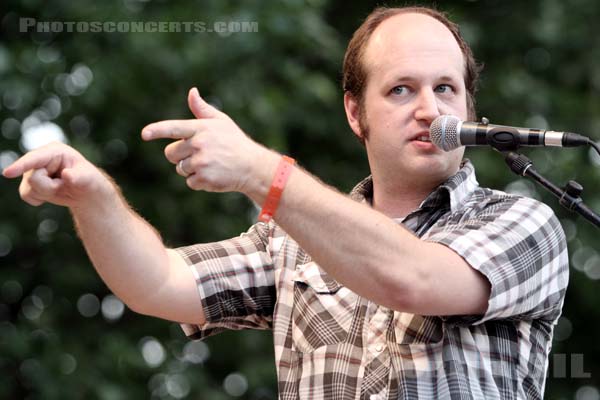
[[169, 154], [192, 164], [38, 186], [196, 163], [24, 190], [197, 141], [33, 202], [27, 196], [193, 183], [203, 162], [34, 180]]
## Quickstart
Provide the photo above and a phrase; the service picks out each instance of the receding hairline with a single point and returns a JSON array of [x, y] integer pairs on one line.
[[387, 21]]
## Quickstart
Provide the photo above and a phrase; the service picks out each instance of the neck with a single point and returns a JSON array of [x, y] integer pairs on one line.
[[398, 199], [396, 204]]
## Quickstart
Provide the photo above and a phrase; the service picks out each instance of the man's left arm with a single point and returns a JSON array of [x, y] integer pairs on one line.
[[509, 260], [371, 254]]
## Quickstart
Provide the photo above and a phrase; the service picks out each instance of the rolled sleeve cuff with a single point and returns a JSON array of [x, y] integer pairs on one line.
[[497, 302], [205, 286]]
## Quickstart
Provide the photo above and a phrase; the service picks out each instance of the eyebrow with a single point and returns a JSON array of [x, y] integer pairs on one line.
[[447, 78], [407, 78]]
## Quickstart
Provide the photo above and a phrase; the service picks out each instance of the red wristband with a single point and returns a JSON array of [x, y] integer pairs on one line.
[[284, 169]]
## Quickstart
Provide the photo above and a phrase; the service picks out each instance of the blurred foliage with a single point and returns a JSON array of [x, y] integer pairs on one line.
[[64, 336]]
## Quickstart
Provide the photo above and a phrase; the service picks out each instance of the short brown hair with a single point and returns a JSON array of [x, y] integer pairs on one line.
[[355, 72]]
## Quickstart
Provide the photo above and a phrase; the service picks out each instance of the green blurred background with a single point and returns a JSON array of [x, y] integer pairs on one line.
[[64, 336]]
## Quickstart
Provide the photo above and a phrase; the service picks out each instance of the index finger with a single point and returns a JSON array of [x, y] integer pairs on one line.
[[32, 160], [171, 129]]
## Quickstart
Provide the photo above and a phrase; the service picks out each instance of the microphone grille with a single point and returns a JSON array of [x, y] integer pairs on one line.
[[444, 132]]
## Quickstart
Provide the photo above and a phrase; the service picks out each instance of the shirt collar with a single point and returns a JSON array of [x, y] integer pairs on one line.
[[455, 190]]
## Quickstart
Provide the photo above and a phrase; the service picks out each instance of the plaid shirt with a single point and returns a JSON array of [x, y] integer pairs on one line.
[[331, 343]]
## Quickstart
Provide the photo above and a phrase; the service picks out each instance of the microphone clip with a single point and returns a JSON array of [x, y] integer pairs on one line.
[[568, 197], [502, 138]]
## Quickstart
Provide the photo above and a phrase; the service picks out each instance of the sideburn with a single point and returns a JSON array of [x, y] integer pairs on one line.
[[362, 121]]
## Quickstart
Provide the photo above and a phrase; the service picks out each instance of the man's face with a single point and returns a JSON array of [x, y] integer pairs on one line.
[[415, 73]]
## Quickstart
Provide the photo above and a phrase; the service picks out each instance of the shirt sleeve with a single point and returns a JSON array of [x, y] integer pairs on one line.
[[235, 280], [518, 244]]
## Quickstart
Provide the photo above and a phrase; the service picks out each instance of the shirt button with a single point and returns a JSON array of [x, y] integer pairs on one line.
[[378, 349]]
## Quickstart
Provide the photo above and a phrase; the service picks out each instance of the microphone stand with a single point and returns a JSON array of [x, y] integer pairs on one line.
[[569, 196]]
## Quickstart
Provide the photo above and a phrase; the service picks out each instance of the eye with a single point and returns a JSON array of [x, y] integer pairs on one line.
[[398, 90], [444, 88]]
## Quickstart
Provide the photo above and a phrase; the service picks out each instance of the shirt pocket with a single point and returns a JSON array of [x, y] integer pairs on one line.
[[412, 329], [417, 345], [323, 309]]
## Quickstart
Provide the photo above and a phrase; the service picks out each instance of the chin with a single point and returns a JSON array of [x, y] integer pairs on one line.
[[433, 169]]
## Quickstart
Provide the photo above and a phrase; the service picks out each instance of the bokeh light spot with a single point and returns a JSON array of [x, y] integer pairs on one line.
[[196, 352], [152, 351], [112, 307], [88, 305], [235, 384]]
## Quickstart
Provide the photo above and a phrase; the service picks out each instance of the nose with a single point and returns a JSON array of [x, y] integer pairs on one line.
[[426, 107]]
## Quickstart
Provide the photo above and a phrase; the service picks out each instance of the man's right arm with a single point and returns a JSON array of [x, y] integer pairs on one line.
[[130, 257], [127, 252]]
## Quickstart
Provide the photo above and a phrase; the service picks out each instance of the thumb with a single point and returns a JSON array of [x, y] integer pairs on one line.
[[199, 107]]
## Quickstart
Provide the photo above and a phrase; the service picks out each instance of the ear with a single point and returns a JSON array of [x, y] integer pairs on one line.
[[352, 113]]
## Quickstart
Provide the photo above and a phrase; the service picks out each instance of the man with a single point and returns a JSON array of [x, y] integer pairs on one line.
[[419, 285]]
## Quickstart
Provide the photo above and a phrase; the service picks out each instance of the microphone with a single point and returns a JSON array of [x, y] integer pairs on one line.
[[448, 132]]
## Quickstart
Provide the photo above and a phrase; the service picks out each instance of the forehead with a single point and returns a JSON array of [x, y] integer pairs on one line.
[[413, 41]]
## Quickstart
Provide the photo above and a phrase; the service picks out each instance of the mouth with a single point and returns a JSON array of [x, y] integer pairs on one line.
[[422, 141], [422, 137]]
